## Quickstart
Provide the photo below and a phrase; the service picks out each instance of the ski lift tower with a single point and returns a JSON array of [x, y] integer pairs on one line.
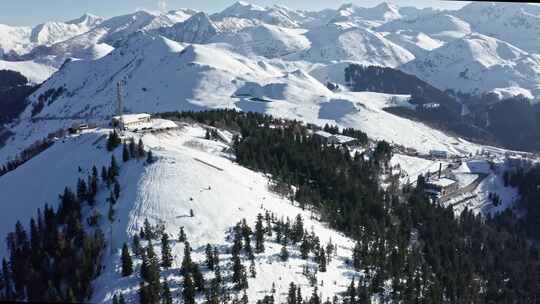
[[119, 105]]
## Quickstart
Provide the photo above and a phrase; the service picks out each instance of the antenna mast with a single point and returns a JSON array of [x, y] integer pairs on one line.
[[119, 102]]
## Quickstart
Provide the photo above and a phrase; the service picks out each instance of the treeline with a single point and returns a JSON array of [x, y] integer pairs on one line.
[[515, 122], [14, 89], [30, 152], [527, 181]]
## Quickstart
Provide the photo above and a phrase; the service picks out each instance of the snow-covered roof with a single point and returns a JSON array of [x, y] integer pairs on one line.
[[442, 182], [129, 118], [340, 138], [324, 134], [344, 139]]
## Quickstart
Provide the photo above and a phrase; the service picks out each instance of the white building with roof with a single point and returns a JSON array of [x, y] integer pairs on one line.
[[130, 120], [335, 139], [442, 186]]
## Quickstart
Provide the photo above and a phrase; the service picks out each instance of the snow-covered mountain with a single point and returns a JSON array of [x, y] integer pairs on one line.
[[276, 15], [518, 25], [197, 29], [477, 63], [265, 40], [441, 25], [373, 16], [335, 42], [385, 34], [20, 40], [52, 32], [197, 77]]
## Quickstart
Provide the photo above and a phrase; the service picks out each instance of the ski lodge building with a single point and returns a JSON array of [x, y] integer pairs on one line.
[[335, 139], [130, 120], [441, 186]]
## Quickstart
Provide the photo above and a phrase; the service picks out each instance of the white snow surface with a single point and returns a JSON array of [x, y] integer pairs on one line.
[[477, 63], [34, 71]]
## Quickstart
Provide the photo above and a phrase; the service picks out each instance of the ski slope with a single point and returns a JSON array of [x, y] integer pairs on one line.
[[189, 173]]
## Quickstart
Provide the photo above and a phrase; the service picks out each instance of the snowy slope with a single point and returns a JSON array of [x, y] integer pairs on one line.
[[363, 16], [341, 42], [478, 63], [517, 24], [220, 193], [197, 29], [276, 15], [440, 25], [265, 40], [99, 40], [35, 72], [21, 40], [14, 39], [52, 32]]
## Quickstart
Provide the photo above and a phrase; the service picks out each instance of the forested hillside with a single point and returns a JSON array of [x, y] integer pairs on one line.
[[14, 88], [425, 250]]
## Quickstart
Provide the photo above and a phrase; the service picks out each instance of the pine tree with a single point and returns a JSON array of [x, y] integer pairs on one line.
[[252, 269], [166, 297], [291, 296], [113, 140], [116, 189], [143, 294], [148, 230], [121, 299], [259, 234], [127, 263], [104, 174], [166, 256], [315, 299], [136, 245], [93, 186], [305, 247], [209, 257], [198, 278], [298, 229], [351, 293], [140, 149], [113, 168], [181, 235], [187, 263], [149, 157], [188, 293], [115, 299], [322, 260], [110, 214], [244, 299], [125, 153], [82, 190], [284, 254]]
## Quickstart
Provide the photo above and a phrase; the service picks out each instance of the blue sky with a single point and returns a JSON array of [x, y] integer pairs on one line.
[[32, 12]]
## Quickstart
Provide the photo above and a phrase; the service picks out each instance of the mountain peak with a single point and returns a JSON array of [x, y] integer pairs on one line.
[[241, 7], [87, 19]]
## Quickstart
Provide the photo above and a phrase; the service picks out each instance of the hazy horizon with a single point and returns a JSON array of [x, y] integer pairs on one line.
[[17, 13]]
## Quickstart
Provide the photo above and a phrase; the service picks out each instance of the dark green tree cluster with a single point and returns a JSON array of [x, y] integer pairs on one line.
[[57, 260], [113, 140], [27, 154], [150, 287], [526, 182]]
